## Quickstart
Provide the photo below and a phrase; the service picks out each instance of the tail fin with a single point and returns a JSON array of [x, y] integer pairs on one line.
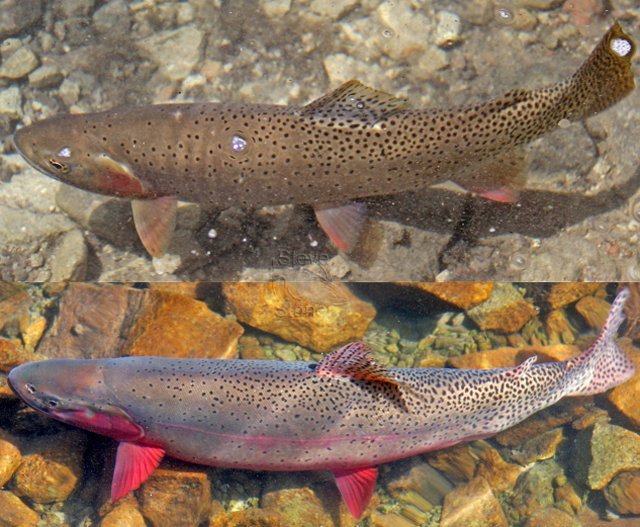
[[603, 365], [603, 79]]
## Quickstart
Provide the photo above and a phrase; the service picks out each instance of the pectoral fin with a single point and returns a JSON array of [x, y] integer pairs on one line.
[[134, 464], [155, 221], [343, 223], [356, 487]]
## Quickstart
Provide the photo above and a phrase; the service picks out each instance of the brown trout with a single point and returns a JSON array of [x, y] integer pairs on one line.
[[346, 414], [349, 144]]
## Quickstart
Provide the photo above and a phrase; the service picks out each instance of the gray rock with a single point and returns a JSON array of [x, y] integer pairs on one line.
[[11, 103], [70, 8], [19, 64], [17, 15], [275, 8], [175, 52], [332, 8], [45, 76], [69, 91], [113, 17], [69, 258]]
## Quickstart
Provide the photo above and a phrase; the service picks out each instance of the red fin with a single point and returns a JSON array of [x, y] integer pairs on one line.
[[502, 195], [155, 221], [134, 464], [343, 224], [356, 487], [354, 360]]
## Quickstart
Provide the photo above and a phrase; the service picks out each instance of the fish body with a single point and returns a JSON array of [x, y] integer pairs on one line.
[[345, 414], [349, 144]]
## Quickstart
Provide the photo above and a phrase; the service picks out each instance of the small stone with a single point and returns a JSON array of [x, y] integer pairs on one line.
[[625, 396], [52, 469], [317, 315], [594, 310], [543, 5], [472, 504], [409, 27], [623, 493], [112, 17], [10, 458], [558, 327], [276, 8], [69, 258], [505, 311], [14, 513], [542, 446], [499, 474], [535, 489], [19, 64], [176, 498], [69, 91], [45, 76], [341, 68], [250, 348], [458, 463], [390, 520], [126, 514], [448, 29], [11, 103], [460, 294], [248, 518], [176, 52], [14, 304], [73, 8], [17, 15], [552, 517], [564, 293], [286, 354], [331, 8], [604, 451]]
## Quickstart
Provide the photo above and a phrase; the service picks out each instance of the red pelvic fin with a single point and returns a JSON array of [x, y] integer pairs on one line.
[[356, 487], [354, 360], [502, 195], [343, 224], [134, 464], [155, 221]]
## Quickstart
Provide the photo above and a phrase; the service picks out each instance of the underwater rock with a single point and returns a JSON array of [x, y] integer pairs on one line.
[[10, 457], [14, 513], [12, 354], [174, 497], [171, 325], [317, 315], [19, 63], [594, 310], [625, 396], [499, 474], [417, 487], [16, 15], [506, 357], [52, 468], [392, 519], [248, 518], [602, 452], [564, 293], [125, 514], [250, 348], [558, 328], [535, 489], [32, 334], [460, 294], [14, 304], [472, 504], [539, 447], [176, 52], [505, 311], [458, 463], [552, 517], [623, 493]]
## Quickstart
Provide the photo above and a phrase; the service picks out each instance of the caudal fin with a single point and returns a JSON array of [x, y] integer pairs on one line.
[[603, 365], [603, 79]]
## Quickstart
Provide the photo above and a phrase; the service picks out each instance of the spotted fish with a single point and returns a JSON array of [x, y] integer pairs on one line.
[[346, 414], [352, 143]]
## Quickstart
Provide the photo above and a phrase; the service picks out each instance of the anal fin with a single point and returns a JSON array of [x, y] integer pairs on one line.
[[134, 464], [155, 221], [356, 487], [342, 223]]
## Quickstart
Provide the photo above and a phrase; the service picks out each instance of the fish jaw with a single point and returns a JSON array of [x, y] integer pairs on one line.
[[73, 392], [77, 158]]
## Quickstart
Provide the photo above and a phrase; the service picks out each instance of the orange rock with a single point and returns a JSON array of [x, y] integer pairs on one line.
[[12, 354], [506, 357], [125, 514], [53, 469], [552, 517], [248, 518], [390, 520], [623, 493], [14, 304], [594, 310], [10, 457], [171, 325], [625, 397], [500, 475], [318, 315], [565, 293], [174, 497], [458, 463], [542, 446], [250, 348], [32, 333], [460, 294], [474, 504], [14, 513], [558, 327], [505, 311]]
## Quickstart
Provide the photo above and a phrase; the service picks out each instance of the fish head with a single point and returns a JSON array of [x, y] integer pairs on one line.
[[74, 391], [66, 148]]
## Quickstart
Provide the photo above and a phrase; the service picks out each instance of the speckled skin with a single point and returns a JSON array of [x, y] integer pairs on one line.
[[352, 143], [273, 415]]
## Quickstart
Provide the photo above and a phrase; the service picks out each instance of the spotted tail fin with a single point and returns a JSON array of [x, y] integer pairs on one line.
[[603, 79], [603, 365]]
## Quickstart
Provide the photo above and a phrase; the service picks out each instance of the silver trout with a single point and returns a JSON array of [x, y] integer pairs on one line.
[[351, 143], [346, 414]]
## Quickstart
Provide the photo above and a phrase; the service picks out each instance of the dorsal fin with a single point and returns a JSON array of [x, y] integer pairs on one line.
[[354, 360], [353, 102]]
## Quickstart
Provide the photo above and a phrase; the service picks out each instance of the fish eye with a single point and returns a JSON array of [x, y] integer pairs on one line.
[[52, 403], [30, 388], [58, 166]]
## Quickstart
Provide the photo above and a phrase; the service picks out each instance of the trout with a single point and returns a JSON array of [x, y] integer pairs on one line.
[[352, 143], [346, 414]]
